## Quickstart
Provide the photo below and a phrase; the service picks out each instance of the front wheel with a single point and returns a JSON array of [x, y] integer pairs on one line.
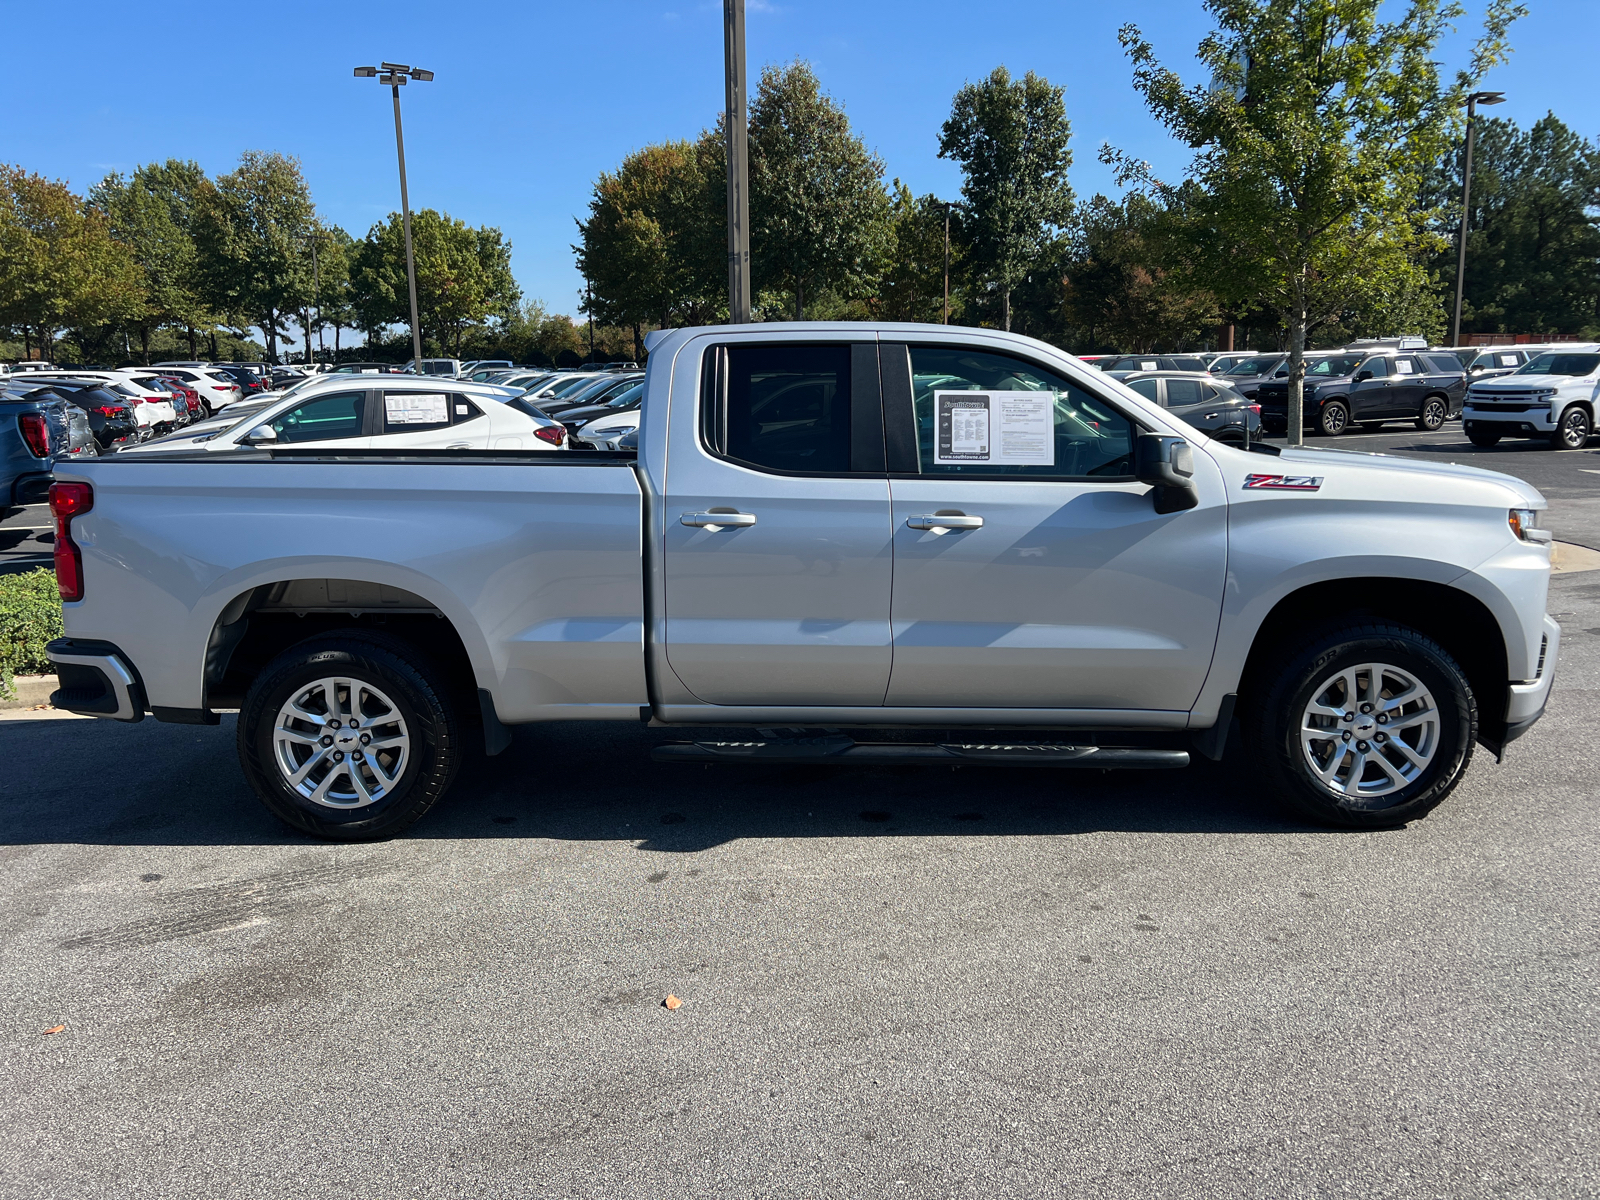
[[1333, 419], [1367, 725], [1572, 430], [349, 736], [1432, 416]]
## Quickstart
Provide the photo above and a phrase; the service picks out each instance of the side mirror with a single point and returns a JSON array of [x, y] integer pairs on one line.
[[1363, 376], [1167, 463], [261, 435]]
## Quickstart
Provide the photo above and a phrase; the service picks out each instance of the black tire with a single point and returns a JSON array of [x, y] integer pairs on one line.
[[1274, 714], [1334, 419], [1572, 430], [1482, 439], [404, 682], [1433, 414]]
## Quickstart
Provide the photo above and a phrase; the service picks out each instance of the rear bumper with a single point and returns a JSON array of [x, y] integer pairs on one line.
[[96, 680], [32, 488], [1525, 702]]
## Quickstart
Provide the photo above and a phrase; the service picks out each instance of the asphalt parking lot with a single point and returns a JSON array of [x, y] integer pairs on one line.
[[895, 982]]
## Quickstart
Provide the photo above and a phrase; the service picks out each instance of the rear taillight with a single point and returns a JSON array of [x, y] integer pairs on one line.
[[1255, 408], [36, 434], [68, 500], [554, 434], [105, 410]]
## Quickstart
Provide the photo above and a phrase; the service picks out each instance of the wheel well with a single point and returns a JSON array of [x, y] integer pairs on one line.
[[1460, 623], [261, 623]]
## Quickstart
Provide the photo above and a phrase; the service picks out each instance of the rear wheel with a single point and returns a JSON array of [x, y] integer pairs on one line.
[[349, 736], [1333, 419], [1483, 438], [1432, 415], [1366, 725], [1572, 430]]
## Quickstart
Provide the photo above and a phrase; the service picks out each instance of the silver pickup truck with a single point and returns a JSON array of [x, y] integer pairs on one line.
[[828, 529]]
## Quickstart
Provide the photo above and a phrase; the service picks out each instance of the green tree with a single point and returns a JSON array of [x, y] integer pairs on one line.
[[463, 276], [153, 214], [911, 287], [251, 233], [642, 247], [1010, 138], [59, 265], [1129, 286], [336, 251], [818, 211], [1533, 241], [1315, 135]]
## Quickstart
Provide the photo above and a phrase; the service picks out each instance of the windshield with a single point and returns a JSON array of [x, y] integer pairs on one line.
[[1566, 363], [1340, 364], [627, 397], [1255, 366]]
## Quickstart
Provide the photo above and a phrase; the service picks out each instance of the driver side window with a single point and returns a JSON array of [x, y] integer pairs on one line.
[[979, 413]]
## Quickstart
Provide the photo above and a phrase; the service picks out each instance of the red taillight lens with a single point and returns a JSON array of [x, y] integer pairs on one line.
[[1255, 408], [105, 410], [68, 500], [554, 434], [36, 434]]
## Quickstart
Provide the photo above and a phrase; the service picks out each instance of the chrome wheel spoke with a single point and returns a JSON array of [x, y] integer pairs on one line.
[[294, 735], [308, 766], [385, 780], [320, 794], [1393, 772], [360, 785], [1422, 716]]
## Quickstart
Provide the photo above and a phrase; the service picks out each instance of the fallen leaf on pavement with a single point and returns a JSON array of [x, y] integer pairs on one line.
[[55, 1029], [671, 1002]]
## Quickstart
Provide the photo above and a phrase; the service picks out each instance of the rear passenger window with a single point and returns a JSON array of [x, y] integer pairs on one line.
[[1148, 388], [1184, 391], [338, 416], [1405, 366], [1188, 364], [785, 408], [415, 412], [990, 414]]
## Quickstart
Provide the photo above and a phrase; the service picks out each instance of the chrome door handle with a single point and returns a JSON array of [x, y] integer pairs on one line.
[[945, 521], [718, 520]]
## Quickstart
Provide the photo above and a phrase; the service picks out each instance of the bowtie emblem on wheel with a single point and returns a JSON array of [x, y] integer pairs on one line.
[[1283, 483]]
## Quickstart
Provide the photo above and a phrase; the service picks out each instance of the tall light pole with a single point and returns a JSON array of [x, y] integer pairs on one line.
[[738, 164], [1473, 101], [397, 75]]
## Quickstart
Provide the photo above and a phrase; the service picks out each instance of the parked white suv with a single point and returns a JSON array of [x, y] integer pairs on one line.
[[216, 390], [1553, 397]]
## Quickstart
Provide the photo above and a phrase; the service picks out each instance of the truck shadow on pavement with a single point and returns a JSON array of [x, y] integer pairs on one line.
[[99, 783]]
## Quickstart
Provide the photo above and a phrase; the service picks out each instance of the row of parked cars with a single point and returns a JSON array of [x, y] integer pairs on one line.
[[1369, 384]]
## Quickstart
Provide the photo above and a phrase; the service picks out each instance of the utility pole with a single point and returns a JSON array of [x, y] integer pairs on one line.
[[947, 262], [397, 76], [1466, 197], [738, 164]]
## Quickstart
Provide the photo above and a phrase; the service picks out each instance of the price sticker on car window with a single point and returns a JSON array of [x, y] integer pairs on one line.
[[416, 408], [1011, 429]]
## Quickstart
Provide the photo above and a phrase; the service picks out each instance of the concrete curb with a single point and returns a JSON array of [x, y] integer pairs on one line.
[[31, 691]]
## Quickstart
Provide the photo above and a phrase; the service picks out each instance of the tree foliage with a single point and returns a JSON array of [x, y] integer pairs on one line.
[[59, 264], [1533, 242], [1010, 138], [1315, 136], [818, 211]]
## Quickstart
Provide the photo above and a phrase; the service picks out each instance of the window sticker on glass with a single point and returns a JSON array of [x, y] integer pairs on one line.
[[416, 408], [999, 428]]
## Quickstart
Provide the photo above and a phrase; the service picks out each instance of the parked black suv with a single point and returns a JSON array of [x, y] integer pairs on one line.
[[1204, 401], [1426, 387]]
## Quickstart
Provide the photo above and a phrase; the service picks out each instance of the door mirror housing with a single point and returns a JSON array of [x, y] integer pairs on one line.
[[1363, 375], [261, 435], [1167, 463]]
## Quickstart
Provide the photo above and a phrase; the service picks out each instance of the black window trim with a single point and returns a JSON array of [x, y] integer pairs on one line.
[[899, 417], [866, 408]]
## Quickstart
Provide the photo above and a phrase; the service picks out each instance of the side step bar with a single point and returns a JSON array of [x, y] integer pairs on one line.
[[845, 751]]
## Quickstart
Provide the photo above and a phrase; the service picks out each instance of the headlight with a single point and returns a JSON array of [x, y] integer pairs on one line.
[[1524, 523]]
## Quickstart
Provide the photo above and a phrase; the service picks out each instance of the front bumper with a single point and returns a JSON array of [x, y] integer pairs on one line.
[[1510, 421], [1525, 702]]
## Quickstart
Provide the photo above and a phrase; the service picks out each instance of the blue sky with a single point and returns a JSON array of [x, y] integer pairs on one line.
[[532, 100]]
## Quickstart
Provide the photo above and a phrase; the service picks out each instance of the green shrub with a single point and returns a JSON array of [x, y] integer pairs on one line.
[[30, 615]]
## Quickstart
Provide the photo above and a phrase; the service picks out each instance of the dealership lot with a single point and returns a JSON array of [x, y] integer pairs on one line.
[[899, 981]]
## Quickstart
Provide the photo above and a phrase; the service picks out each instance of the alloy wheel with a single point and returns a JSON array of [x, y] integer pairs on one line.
[[1369, 731], [341, 743]]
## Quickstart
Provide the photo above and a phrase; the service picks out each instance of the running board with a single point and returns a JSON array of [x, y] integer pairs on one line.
[[845, 751]]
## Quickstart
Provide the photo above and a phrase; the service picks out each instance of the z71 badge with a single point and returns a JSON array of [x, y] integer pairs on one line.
[[1283, 483]]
